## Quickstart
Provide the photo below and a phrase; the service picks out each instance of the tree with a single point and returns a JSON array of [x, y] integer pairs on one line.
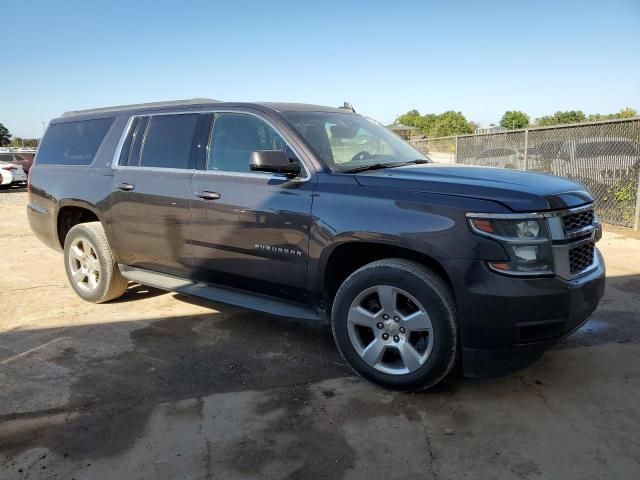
[[514, 119], [433, 125], [450, 123], [627, 113], [559, 118], [410, 119], [24, 142], [5, 136]]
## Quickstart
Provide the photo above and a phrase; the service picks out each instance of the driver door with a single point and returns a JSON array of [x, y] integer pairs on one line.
[[250, 230]]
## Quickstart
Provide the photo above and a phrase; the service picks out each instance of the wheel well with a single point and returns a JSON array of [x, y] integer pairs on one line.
[[349, 257], [69, 217]]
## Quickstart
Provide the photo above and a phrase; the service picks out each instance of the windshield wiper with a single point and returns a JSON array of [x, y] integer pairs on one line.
[[418, 161], [373, 166], [380, 166]]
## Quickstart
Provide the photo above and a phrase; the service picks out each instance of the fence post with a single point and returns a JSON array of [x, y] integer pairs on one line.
[[455, 154], [526, 149], [636, 222]]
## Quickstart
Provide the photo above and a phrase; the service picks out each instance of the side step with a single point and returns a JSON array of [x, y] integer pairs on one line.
[[231, 296]]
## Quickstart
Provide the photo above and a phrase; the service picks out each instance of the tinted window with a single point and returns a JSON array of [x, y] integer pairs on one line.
[[6, 157], [126, 146], [73, 143], [235, 136], [168, 141], [345, 141]]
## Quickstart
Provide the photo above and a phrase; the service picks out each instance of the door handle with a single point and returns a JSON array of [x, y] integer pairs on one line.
[[126, 187], [208, 195]]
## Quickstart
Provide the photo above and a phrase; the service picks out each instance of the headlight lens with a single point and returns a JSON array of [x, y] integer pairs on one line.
[[526, 242]]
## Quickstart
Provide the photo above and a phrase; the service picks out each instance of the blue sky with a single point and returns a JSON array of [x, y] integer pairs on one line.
[[479, 57]]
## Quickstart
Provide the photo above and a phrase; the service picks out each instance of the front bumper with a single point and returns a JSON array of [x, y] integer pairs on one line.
[[507, 323]]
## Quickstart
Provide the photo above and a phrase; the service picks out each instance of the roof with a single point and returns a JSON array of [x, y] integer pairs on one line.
[[203, 102], [302, 107], [142, 106]]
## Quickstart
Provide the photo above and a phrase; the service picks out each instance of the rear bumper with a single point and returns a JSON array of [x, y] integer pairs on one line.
[[510, 322]]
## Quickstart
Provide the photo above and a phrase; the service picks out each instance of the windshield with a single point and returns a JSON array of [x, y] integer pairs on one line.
[[345, 141]]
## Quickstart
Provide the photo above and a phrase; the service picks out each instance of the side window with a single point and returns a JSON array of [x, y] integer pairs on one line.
[[235, 136], [73, 143], [125, 153], [168, 141]]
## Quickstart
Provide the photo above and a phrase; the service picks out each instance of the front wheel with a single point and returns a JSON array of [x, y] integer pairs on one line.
[[394, 322]]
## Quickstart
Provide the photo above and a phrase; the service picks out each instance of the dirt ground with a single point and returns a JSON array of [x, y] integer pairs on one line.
[[159, 386]]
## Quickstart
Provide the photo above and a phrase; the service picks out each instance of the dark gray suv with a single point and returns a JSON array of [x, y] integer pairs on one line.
[[320, 213]]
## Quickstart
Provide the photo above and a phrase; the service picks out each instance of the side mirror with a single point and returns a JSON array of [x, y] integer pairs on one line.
[[275, 161]]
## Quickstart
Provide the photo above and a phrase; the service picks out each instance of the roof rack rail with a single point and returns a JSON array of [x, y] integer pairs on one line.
[[140, 106]]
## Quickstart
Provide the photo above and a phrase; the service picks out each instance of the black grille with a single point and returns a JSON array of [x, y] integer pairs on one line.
[[576, 221], [581, 257]]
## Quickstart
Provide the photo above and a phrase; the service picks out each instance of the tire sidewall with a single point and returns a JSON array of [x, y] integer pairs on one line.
[[81, 231], [441, 315]]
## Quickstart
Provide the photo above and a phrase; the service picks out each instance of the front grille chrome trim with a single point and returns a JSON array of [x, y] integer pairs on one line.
[[565, 240]]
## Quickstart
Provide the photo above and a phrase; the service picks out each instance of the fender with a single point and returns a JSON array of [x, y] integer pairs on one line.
[[430, 225]]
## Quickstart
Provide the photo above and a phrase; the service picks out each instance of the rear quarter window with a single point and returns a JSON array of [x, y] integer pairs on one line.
[[73, 143]]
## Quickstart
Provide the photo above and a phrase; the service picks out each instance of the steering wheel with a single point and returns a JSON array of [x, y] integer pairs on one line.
[[361, 155]]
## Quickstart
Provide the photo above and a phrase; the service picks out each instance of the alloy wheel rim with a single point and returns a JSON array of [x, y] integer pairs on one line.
[[390, 330], [84, 265]]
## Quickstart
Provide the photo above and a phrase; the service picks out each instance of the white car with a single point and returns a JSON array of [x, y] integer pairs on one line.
[[10, 173]]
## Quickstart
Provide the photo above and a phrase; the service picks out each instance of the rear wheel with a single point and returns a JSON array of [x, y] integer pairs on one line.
[[394, 323], [91, 269]]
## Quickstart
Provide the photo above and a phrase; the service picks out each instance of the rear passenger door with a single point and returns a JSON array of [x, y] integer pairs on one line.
[[151, 191]]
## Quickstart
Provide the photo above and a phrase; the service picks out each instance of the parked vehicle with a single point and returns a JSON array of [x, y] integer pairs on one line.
[[12, 169], [502, 157], [510, 157], [602, 160], [417, 266]]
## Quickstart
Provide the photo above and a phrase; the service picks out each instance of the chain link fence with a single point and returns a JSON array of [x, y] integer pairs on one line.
[[604, 156], [441, 149]]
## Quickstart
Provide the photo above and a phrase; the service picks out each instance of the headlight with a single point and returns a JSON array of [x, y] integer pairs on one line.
[[526, 241]]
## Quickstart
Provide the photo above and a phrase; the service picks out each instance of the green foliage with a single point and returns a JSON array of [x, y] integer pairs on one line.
[[454, 123], [411, 118], [450, 123], [24, 142], [514, 119], [559, 118], [433, 125], [627, 113], [5, 136], [623, 113]]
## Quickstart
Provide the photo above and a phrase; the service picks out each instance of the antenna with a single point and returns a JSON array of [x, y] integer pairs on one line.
[[348, 106]]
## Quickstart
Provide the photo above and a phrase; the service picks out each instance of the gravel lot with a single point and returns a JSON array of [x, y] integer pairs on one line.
[[159, 386]]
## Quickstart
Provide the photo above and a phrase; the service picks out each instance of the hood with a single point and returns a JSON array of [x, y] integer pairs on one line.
[[519, 191]]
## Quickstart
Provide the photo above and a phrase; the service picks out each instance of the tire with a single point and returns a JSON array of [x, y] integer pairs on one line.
[[420, 350], [91, 269]]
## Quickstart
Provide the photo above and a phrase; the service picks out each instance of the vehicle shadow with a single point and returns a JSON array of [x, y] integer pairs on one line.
[[113, 374], [136, 291], [88, 390], [13, 189]]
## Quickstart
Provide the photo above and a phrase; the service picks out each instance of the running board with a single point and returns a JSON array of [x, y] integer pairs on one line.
[[231, 296]]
